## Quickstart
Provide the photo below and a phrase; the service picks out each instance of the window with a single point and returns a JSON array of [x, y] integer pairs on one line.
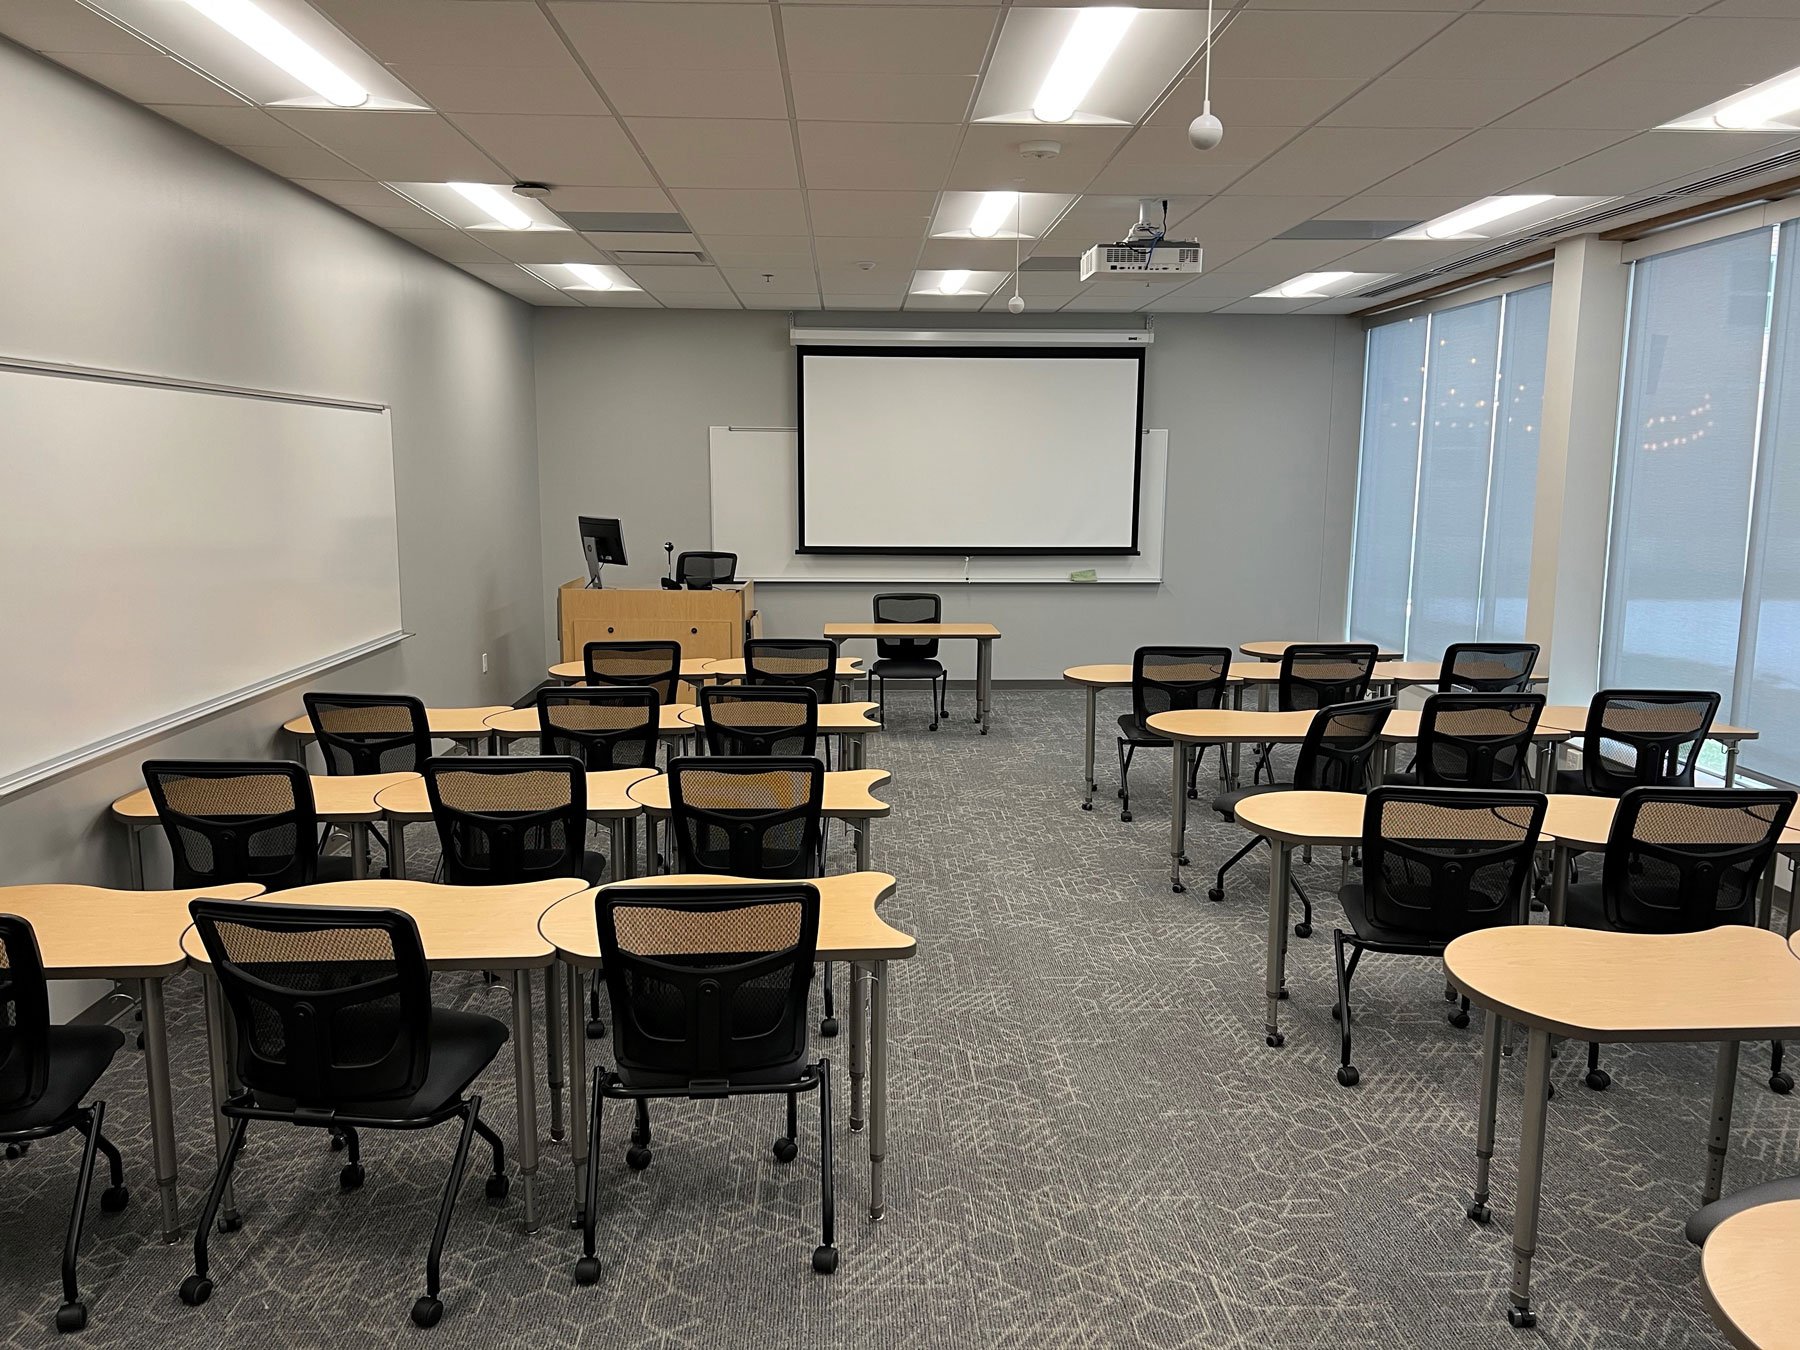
[[1448, 477]]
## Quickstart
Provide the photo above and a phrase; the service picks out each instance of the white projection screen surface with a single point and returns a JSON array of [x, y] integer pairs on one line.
[[970, 452]]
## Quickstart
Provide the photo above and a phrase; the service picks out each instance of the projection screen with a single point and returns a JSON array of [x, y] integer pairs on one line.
[[970, 451]]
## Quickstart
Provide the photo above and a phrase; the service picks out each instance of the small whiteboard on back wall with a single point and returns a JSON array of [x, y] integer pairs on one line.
[[755, 500]]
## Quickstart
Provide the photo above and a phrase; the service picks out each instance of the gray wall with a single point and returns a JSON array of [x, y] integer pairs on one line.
[[1262, 414], [130, 243]]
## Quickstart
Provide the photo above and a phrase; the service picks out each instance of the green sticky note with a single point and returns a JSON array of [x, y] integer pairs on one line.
[[1085, 574]]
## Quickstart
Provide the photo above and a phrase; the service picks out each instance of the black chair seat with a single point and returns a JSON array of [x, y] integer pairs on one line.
[[781, 1074], [78, 1056], [1702, 1221], [1584, 906], [902, 668], [1406, 778], [1363, 924], [462, 1045], [1226, 803], [1137, 733], [1570, 780]]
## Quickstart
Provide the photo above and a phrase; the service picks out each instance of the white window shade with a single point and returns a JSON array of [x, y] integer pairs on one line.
[[1387, 482], [1512, 492]]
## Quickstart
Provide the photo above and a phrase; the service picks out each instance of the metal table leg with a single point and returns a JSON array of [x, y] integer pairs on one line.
[[553, 1051], [1484, 1124], [134, 848], [1093, 697], [1731, 754], [878, 1086], [862, 844], [578, 1082], [359, 849], [397, 850], [219, 1064], [1178, 817], [984, 680], [1719, 1137], [525, 1074], [162, 1112], [1280, 859], [859, 1035], [1559, 883], [1531, 1175]]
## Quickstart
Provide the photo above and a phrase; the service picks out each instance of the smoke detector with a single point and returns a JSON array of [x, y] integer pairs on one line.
[[1040, 149], [535, 191]]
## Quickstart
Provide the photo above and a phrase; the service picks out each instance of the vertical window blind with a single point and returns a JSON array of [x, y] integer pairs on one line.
[[1703, 580], [1447, 482]]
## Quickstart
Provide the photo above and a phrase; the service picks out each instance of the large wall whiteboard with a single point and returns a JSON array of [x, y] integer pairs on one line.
[[168, 549], [754, 500]]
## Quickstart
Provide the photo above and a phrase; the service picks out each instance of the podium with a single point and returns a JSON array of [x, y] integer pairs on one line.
[[709, 625]]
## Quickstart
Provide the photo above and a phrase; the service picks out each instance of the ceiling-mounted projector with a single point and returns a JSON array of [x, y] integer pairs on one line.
[[1143, 249]]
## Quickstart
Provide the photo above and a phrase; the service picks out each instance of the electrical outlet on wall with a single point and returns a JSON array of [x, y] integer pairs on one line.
[[484, 663]]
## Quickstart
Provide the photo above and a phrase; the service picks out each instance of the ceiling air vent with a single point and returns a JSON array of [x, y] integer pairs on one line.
[[1346, 229], [625, 222], [643, 257]]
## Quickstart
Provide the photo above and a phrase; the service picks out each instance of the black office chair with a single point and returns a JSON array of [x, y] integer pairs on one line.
[[370, 733], [1641, 738], [811, 662], [1470, 740], [240, 820], [1681, 860], [333, 1027], [1316, 675], [656, 664], [1436, 863], [45, 1071], [1488, 667], [1334, 757], [701, 571], [1168, 679], [505, 819], [605, 727], [709, 989], [768, 719], [910, 658]]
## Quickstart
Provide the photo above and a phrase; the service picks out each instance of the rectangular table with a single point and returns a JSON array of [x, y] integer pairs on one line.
[[983, 635]]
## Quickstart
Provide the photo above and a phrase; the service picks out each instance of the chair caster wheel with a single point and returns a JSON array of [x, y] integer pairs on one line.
[[1178, 888], [1274, 1040], [596, 1029], [1193, 796], [1347, 1075], [71, 1316], [587, 1270], [1087, 806], [230, 1223], [1303, 930], [1119, 793], [114, 1198], [1458, 1019], [1215, 894], [1125, 816], [1598, 1079], [426, 1311], [350, 1177], [984, 731], [932, 727], [637, 1157], [1184, 860], [1781, 1082], [828, 1026], [499, 1186], [195, 1290], [1521, 1317], [1282, 995], [1480, 1213], [17, 1151], [786, 1150], [337, 1143], [824, 1259]]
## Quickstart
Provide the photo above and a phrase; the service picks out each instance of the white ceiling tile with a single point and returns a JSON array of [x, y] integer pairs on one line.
[[906, 40], [737, 211], [358, 195], [1237, 217], [756, 250], [1654, 158], [823, 96], [1291, 257], [1196, 177], [808, 300], [1340, 159], [876, 155], [300, 161], [717, 153], [616, 299], [1604, 103], [578, 198], [1406, 255], [55, 26], [561, 88], [450, 245], [1320, 43], [592, 151], [927, 300], [1181, 302], [1114, 302], [1381, 206], [430, 32], [789, 280], [698, 93], [1168, 144], [539, 246], [879, 214], [1494, 159], [1534, 49], [394, 146], [669, 36], [146, 76], [1431, 103], [1672, 7], [685, 301], [978, 255], [833, 250], [852, 300], [1264, 102], [852, 280], [665, 281], [396, 213], [990, 158], [1738, 52], [234, 126]]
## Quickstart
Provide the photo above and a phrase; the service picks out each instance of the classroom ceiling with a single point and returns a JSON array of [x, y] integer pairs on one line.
[[815, 153]]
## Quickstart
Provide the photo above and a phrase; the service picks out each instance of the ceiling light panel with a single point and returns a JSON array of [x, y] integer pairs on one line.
[[277, 53], [480, 206], [1320, 286], [1012, 215], [956, 281], [581, 276], [1773, 105], [1150, 51], [1498, 217]]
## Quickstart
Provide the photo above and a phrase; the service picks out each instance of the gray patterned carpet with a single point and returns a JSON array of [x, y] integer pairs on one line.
[[1091, 1145]]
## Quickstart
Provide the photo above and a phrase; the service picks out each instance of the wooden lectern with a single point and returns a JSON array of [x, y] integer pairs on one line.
[[709, 625]]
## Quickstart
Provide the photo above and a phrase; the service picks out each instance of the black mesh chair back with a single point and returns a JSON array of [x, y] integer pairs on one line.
[[1319, 674], [236, 820], [1644, 738], [760, 719], [1679, 860], [1339, 744], [607, 727], [508, 818], [703, 571], [708, 983], [907, 607], [1440, 862], [24, 1018], [330, 1005], [1471, 740], [1488, 667], [747, 817], [811, 662], [1177, 679], [370, 733], [656, 664]]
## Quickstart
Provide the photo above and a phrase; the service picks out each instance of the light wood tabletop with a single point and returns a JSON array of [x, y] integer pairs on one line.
[[1304, 817], [1099, 677], [1730, 983], [693, 670], [1223, 726], [607, 796], [1747, 1268], [1403, 725], [459, 723], [848, 794], [515, 722], [338, 798], [89, 932], [460, 927], [732, 668], [1573, 717], [1273, 651], [1425, 672], [835, 719], [849, 927], [910, 630]]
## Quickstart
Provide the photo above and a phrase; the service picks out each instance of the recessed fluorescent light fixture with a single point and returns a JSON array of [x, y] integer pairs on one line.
[[1092, 39], [583, 278], [496, 205], [279, 46], [953, 281], [1773, 105], [1511, 212], [588, 276], [1319, 286], [996, 210], [481, 207]]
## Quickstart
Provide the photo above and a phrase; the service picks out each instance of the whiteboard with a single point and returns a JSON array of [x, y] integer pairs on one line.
[[169, 549], [755, 498]]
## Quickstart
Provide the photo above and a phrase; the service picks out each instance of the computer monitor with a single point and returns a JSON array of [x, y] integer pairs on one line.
[[603, 542]]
